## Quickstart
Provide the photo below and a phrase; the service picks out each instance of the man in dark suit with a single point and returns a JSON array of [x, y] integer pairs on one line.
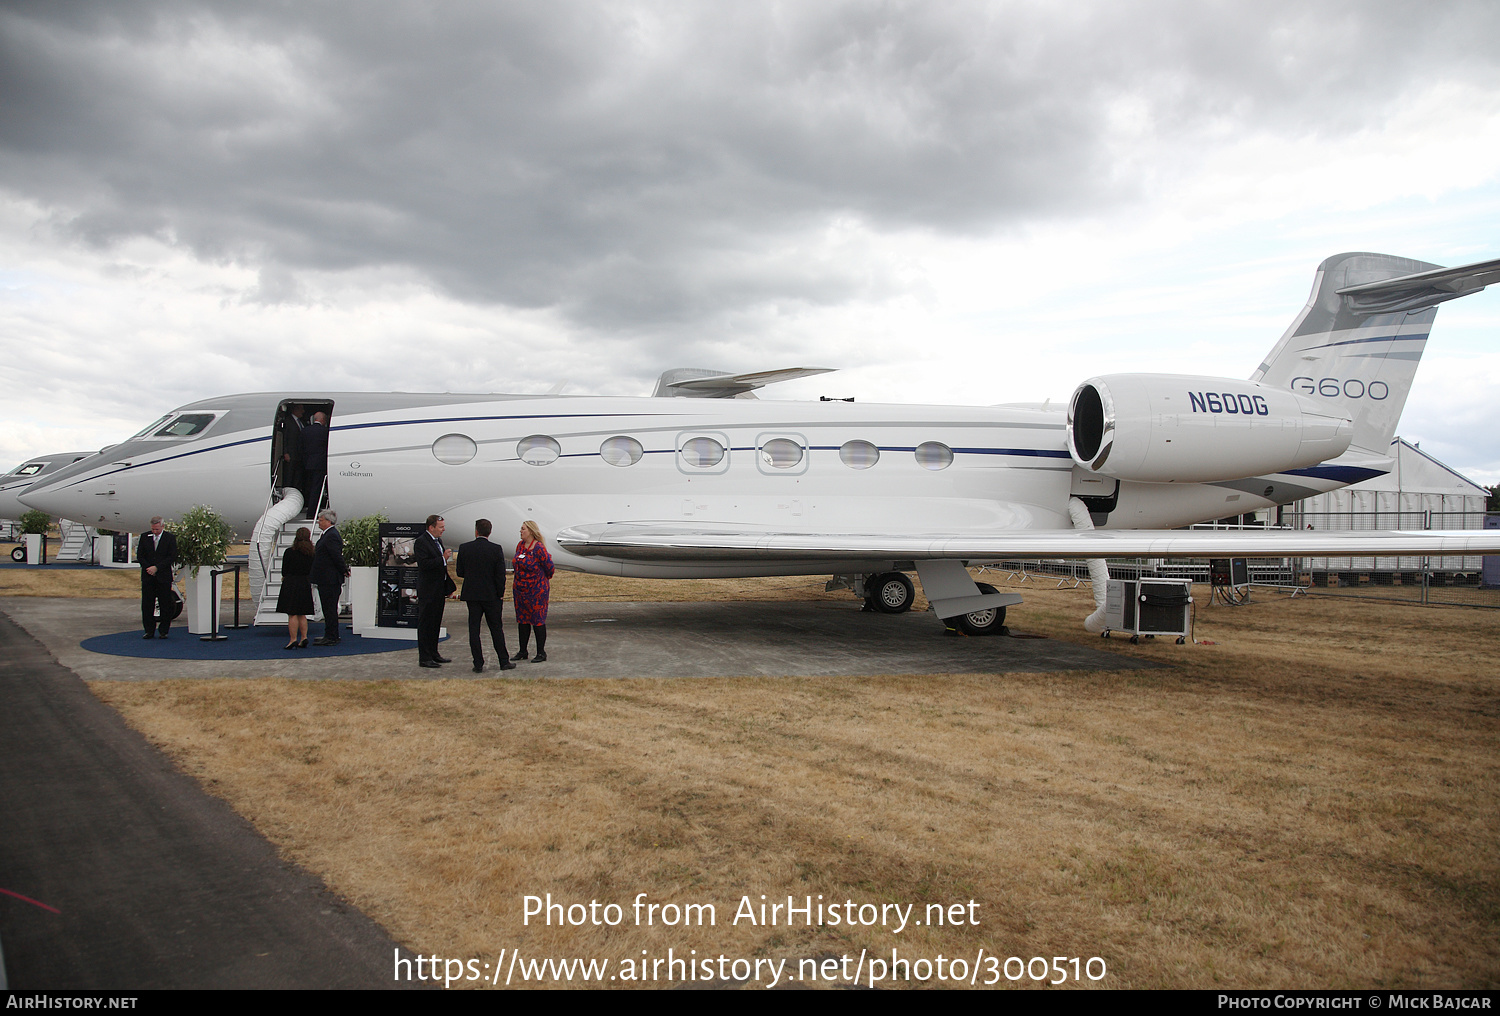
[[291, 446], [155, 553], [328, 573], [433, 587], [314, 463], [481, 565]]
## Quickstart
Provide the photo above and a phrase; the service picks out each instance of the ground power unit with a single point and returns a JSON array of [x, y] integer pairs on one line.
[[1148, 607]]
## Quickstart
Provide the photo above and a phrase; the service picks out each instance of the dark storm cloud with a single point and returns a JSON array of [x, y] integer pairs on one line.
[[655, 163]]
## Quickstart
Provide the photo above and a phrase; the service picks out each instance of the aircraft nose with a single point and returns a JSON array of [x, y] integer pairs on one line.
[[10, 505], [63, 504]]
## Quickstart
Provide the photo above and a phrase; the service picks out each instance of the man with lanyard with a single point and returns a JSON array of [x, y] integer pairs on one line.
[[328, 574], [433, 587], [155, 553]]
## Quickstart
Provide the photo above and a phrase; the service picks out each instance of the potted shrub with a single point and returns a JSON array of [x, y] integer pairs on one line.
[[203, 539], [362, 555], [34, 526]]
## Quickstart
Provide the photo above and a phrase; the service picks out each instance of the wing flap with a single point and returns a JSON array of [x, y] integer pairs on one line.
[[663, 541]]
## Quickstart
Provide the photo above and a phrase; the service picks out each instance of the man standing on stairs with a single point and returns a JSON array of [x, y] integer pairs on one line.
[[314, 463], [291, 446], [328, 574]]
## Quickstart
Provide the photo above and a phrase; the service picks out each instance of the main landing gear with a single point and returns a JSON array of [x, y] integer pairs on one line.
[[891, 593], [980, 622]]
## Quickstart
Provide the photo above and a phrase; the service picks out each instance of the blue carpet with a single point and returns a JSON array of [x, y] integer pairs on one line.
[[246, 644]]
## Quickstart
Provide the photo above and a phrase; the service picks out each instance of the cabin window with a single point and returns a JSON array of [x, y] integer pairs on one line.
[[702, 452], [31, 469], [934, 455], [781, 453], [454, 449], [859, 454], [621, 451], [538, 450], [186, 425]]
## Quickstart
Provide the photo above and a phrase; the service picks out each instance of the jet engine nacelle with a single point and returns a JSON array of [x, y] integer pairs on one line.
[[1161, 428]]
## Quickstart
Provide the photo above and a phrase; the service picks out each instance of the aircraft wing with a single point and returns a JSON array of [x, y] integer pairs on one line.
[[665, 541]]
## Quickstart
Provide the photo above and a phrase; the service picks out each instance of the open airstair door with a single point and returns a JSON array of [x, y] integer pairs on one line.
[[288, 469], [298, 492]]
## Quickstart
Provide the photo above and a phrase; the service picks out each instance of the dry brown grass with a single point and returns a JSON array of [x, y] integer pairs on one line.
[[567, 587], [93, 583], [1310, 802]]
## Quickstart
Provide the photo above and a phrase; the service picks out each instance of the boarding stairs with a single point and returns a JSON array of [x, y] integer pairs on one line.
[[77, 542], [273, 534]]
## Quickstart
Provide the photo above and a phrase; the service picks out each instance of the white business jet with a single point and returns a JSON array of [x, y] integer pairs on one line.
[[705, 480], [23, 476]]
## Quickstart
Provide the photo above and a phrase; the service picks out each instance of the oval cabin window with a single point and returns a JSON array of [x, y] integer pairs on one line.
[[702, 452], [859, 454], [538, 450], [781, 453], [454, 449], [621, 451], [934, 455]]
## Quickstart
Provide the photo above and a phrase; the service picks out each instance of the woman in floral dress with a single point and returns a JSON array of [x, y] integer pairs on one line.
[[529, 589]]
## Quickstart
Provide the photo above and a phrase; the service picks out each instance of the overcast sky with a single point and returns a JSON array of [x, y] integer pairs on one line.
[[951, 203]]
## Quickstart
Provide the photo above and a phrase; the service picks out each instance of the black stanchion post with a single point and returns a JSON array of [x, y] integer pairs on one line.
[[213, 611], [237, 626]]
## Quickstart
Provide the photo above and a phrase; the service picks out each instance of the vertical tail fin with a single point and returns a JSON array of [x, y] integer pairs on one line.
[[1358, 341]]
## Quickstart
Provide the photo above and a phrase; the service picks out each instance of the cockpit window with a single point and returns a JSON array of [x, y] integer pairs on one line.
[[31, 469], [186, 425], [147, 430]]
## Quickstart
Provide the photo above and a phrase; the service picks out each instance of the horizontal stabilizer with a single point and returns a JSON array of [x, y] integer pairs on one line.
[[1422, 289], [697, 383], [670, 542]]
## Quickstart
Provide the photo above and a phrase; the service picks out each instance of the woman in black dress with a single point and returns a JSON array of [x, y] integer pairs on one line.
[[296, 599]]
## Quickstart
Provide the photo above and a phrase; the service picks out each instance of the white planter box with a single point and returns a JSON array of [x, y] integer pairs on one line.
[[33, 542], [364, 587], [200, 598]]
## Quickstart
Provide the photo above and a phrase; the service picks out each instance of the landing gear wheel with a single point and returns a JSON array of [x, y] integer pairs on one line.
[[18, 555], [982, 622], [891, 593]]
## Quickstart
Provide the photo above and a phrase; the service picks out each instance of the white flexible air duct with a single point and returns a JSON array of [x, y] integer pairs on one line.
[[1098, 570], [263, 540]]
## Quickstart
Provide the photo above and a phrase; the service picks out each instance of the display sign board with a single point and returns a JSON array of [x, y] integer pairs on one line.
[[396, 602]]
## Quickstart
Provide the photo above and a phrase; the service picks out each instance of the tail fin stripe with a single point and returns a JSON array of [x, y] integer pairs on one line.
[[1377, 338], [1409, 354]]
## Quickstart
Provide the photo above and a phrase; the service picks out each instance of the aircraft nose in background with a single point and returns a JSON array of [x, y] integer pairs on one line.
[[64, 503]]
